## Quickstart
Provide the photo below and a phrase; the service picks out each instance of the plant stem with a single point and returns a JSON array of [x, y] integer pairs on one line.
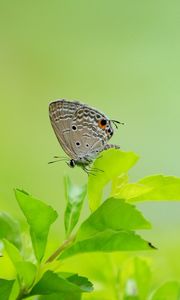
[[20, 295], [64, 245]]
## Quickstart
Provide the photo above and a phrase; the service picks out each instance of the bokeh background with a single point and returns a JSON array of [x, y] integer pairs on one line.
[[122, 57]]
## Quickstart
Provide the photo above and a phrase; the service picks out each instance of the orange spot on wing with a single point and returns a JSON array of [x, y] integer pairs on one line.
[[101, 126]]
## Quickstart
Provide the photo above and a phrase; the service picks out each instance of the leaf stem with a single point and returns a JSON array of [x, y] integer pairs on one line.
[[63, 246], [21, 294]]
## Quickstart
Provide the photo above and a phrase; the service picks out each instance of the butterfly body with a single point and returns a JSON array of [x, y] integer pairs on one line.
[[83, 132]]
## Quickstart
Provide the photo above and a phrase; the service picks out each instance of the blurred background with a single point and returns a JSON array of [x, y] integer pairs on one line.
[[122, 57]]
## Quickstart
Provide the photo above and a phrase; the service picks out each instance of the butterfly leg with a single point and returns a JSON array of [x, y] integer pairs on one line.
[[88, 170], [97, 170], [91, 170]]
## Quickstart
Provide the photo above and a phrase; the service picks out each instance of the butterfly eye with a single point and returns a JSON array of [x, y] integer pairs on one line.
[[72, 163], [74, 127]]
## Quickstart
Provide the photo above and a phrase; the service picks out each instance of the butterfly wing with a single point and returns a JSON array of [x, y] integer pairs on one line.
[[110, 146], [89, 134], [61, 113]]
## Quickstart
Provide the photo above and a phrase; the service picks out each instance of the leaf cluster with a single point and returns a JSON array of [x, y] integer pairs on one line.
[[110, 227]]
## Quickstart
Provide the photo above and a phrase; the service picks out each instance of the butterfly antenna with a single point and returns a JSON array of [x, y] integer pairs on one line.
[[61, 157], [115, 122], [54, 161]]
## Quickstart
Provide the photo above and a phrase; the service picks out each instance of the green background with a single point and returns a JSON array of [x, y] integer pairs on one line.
[[122, 57]]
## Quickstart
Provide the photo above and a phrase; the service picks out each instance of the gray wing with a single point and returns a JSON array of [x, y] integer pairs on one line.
[[109, 146], [61, 113], [88, 138]]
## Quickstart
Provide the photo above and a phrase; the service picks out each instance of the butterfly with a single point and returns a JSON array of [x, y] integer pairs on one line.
[[83, 132]]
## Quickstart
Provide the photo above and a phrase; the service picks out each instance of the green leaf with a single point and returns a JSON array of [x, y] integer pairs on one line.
[[108, 241], [169, 290], [52, 283], [142, 275], [158, 187], [74, 196], [113, 214], [27, 273], [136, 278], [39, 216], [26, 270], [10, 229], [5, 288], [118, 182], [130, 190], [112, 162], [109, 229], [15, 290], [82, 282], [131, 298], [12, 252], [64, 296]]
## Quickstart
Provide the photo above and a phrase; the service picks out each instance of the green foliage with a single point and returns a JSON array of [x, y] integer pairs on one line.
[[53, 283], [169, 290], [102, 232], [39, 216], [111, 227], [113, 163], [13, 252], [74, 196], [16, 290], [113, 214], [26, 270], [10, 229], [109, 241], [82, 282], [5, 288], [156, 187], [136, 278]]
